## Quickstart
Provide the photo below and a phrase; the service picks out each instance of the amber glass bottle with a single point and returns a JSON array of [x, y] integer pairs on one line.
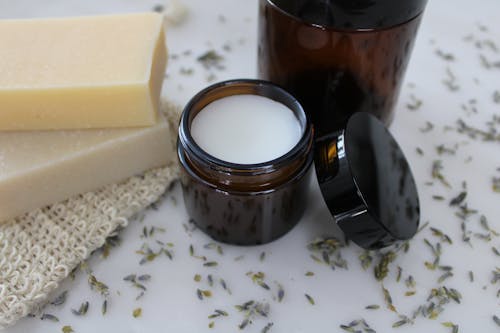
[[338, 57]]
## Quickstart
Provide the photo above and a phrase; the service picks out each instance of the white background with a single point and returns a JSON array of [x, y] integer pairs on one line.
[[170, 303]]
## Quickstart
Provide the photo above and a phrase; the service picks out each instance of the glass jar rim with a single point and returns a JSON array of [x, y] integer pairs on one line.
[[253, 87]]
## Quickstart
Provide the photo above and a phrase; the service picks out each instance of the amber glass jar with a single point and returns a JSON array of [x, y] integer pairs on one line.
[[338, 57], [244, 204]]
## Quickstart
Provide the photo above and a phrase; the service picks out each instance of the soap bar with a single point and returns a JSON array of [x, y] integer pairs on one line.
[[42, 167], [84, 72]]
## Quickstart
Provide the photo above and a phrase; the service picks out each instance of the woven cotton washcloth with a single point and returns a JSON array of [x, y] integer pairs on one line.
[[39, 249]]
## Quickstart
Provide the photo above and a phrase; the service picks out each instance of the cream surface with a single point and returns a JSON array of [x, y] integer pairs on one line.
[[246, 129]]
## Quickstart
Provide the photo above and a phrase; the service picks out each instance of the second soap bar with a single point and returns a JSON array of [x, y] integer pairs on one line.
[[86, 72], [39, 168]]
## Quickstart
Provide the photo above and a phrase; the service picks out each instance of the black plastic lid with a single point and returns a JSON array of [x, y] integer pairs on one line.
[[352, 14], [367, 183]]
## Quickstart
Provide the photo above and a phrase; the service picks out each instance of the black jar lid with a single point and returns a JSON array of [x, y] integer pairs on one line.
[[350, 14], [367, 183]]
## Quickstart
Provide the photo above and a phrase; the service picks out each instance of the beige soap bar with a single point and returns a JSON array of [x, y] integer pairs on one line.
[[44, 167], [84, 72]]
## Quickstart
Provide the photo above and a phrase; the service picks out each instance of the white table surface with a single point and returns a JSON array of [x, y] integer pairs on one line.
[[170, 303]]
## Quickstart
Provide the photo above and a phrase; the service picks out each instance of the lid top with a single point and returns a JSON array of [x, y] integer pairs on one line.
[[367, 183], [382, 175]]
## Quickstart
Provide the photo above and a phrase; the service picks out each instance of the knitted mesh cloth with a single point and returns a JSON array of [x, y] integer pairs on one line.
[[39, 249]]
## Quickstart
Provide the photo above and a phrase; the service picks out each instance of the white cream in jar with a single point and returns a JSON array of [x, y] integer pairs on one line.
[[246, 129]]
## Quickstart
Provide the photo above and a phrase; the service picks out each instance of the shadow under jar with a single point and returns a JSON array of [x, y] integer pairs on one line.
[[244, 204], [338, 57]]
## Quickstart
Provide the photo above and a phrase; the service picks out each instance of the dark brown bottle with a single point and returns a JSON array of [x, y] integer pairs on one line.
[[338, 57]]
